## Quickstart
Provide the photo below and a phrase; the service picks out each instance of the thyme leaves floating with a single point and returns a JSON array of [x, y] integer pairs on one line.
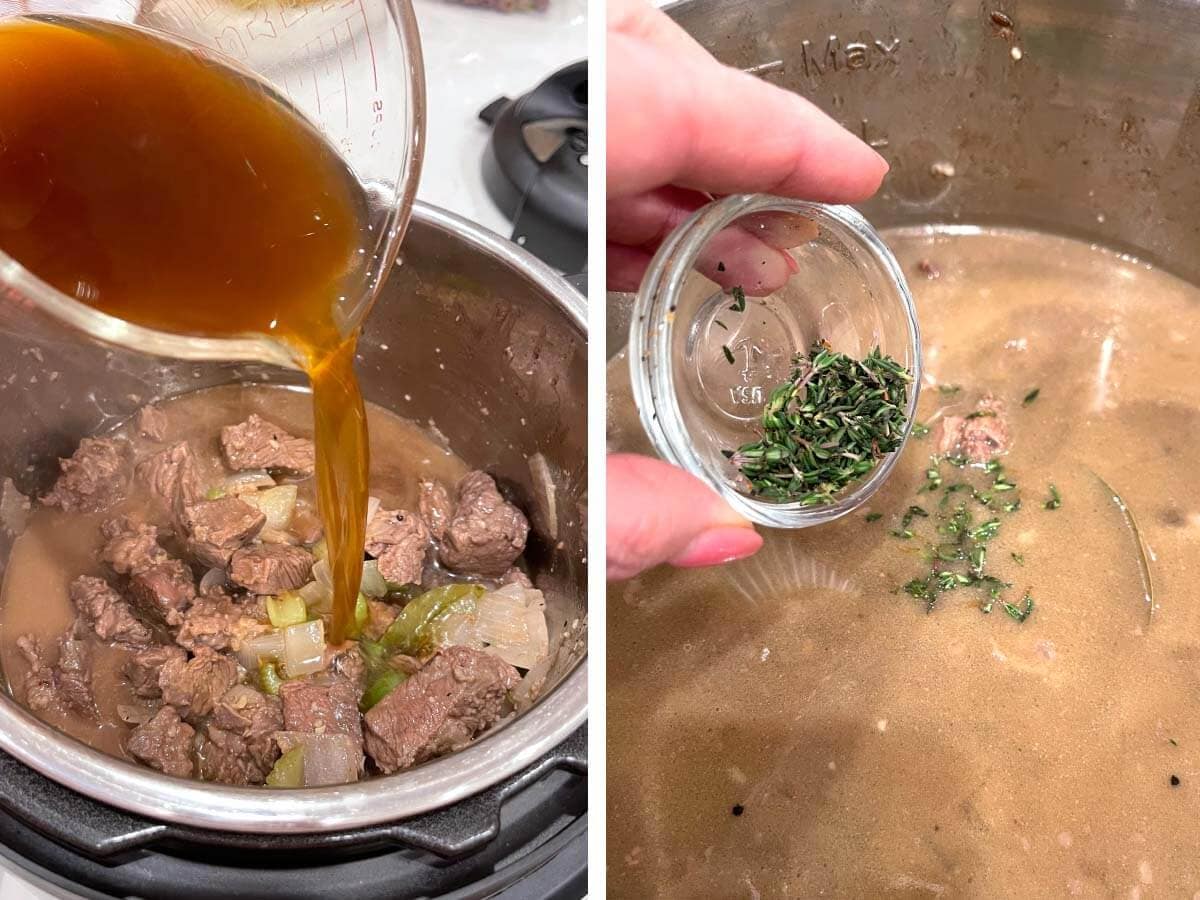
[[949, 389], [919, 430], [739, 299], [1031, 396], [827, 427], [728, 354], [1020, 613], [1054, 501]]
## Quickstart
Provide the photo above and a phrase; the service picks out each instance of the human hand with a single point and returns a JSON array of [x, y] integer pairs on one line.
[[681, 129]]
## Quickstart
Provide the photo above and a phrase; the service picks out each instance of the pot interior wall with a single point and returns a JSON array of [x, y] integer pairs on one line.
[[1083, 118]]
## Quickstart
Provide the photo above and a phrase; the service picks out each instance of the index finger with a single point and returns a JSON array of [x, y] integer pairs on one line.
[[683, 118]]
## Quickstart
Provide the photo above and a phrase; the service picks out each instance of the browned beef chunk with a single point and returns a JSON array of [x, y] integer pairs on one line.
[[164, 590], [271, 568], [94, 478], [257, 444], [458, 694], [107, 613], [171, 475], [306, 525], [220, 623], [215, 528], [346, 660], [194, 686], [164, 743], [40, 691], [73, 675], [399, 540], [380, 616], [142, 669], [323, 704], [486, 533], [67, 683], [979, 436], [238, 745], [436, 508], [152, 423], [131, 546]]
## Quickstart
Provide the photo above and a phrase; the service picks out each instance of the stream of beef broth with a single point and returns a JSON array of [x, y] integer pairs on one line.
[[793, 726], [56, 546]]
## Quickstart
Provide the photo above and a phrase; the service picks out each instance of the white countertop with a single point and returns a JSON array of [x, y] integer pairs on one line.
[[472, 57]]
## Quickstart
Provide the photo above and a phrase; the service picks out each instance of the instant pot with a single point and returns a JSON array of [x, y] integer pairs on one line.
[[478, 340]]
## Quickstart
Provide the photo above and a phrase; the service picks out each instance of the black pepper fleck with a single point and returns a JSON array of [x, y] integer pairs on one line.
[[738, 809], [1174, 782], [720, 267]]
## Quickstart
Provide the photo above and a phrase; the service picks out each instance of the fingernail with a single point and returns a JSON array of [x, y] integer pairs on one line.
[[719, 545]]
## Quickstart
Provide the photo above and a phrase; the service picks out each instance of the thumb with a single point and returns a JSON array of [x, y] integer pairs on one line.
[[658, 513]]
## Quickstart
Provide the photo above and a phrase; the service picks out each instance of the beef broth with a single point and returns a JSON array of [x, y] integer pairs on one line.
[[795, 725]]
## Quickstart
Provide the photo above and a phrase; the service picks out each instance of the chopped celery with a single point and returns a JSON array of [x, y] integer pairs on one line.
[[287, 609], [373, 584], [268, 677], [288, 771], [362, 614], [415, 630], [380, 688]]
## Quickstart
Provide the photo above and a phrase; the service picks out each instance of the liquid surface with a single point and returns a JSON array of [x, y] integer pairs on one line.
[[167, 190], [792, 726], [59, 546]]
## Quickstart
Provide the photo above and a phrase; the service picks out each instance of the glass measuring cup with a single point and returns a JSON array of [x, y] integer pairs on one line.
[[702, 370], [351, 67]]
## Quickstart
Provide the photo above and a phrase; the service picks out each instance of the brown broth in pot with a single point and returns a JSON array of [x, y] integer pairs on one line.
[[796, 726]]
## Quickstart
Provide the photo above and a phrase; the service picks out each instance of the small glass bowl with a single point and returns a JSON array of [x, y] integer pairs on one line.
[[809, 271]]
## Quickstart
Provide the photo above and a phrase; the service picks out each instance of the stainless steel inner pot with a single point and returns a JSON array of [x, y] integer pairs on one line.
[[512, 337], [1082, 118]]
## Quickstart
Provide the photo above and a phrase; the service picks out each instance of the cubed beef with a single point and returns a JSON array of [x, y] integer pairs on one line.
[[93, 479], [486, 533], [143, 667], [107, 613], [458, 694], [306, 524], [271, 568], [215, 528], [220, 623], [131, 545], [164, 590], [399, 540], [164, 743], [323, 704], [194, 686], [170, 475], [238, 746], [346, 659], [41, 693], [257, 444], [152, 423], [73, 675], [436, 508], [980, 435]]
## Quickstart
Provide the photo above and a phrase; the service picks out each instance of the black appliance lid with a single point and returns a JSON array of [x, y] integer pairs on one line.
[[525, 837], [535, 166]]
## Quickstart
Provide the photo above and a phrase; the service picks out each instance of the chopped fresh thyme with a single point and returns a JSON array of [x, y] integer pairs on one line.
[[919, 430], [722, 324], [1020, 613], [949, 389], [1031, 396], [1054, 501], [873, 517], [728, 354], [982, 414], [739, 299], [1018, 558], [827, 427]]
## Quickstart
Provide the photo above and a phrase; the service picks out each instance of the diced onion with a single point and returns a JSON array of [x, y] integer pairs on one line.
[[14, 508], [373, 583], [321, 574], [277, 504], [327, 758], [251, 480], [509, 623], [317, 597], [543, 482], [259, 648], [373, 504], [213, 578], [304, 648], [529, 688]]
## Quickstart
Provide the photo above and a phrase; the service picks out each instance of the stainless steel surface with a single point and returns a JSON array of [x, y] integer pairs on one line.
[[1083, 118], [470, 333]]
